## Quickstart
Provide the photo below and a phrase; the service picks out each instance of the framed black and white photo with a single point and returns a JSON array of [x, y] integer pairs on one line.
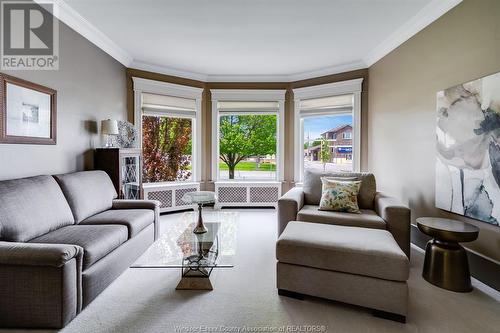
[[27, 112]]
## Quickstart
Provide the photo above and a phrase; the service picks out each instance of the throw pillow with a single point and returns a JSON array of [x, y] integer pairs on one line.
[[340, 195]]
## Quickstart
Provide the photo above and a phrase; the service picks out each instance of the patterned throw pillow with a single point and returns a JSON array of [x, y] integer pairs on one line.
[[340, 195]]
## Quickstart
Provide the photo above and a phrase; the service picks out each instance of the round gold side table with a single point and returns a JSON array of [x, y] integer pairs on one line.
[[445, 263]]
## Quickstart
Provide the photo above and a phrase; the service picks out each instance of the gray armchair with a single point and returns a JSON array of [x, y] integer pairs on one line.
[[377, 210]]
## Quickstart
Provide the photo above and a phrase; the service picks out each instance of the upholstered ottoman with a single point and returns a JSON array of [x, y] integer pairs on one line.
[[353, 265]]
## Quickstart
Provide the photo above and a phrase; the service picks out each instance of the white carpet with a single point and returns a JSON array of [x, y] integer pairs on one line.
[[145, 300]]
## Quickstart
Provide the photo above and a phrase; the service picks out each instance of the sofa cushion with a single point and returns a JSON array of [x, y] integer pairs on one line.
[[366, 195], [87, 192], [367, 219], [134, 219], [97, 240], [362, 251], [30, 207]]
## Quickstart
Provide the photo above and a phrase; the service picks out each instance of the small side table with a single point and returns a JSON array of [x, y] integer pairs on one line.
[[200, 198], [446, 264]]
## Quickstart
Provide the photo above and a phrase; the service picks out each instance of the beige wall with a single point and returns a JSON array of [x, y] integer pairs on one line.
[[90, 87], [462, 45], [207, 112]]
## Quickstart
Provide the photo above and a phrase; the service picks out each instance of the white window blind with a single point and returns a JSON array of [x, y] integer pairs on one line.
[[332, 104], [242, 107], [162, 105]]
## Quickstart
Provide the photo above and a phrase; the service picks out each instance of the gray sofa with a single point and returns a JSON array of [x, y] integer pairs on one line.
[[63, 240], [378, 210]]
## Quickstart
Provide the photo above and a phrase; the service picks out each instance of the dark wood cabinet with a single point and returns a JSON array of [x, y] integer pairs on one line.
[[124, 167]]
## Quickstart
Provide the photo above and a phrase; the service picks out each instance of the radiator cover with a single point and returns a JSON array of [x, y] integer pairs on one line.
[[170, 195], [257, 194]]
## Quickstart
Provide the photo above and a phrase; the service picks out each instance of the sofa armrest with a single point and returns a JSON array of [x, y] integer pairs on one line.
[[398, 219], [288, 207], [34, 254], [141, 204], [40, 284]]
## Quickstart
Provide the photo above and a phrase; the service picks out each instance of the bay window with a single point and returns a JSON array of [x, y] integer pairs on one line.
[[247, 135], [327, 127], [168, 121]]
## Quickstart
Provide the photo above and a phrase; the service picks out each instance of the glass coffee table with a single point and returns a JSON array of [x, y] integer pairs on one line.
[[196, 255]]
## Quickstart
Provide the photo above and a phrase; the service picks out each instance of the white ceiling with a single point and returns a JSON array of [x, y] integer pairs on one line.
[[245, 40]]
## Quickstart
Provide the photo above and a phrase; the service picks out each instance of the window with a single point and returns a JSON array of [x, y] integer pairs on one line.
[[166, 148], [323, 115], [247, 147], [168, 119], [315, 128], [247, 127]]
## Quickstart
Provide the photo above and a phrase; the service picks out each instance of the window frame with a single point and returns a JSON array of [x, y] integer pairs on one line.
[[244, 95], [175, 90], [353, 87]]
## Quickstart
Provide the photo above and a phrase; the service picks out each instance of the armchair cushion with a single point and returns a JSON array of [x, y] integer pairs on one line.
[[87, 192], [367, 219], [134, 219], [96, 240], [312, 186]]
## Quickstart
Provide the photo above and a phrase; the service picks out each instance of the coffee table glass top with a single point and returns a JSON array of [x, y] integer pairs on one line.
[[179, 247]]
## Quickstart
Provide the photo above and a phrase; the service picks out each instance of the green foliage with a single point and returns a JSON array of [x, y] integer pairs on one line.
[[166, 146], [316, 142], [249, 166], [245, 136], [325, 154]]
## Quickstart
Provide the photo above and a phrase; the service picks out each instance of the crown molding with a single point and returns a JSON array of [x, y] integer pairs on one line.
[[262, 95], [78, 23], [168, 71], [328, 89], [158, 87], [352, 66], [248, 78], [422, 19]]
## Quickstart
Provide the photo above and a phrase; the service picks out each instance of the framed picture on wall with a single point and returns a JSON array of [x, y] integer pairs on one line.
[[27, 112]]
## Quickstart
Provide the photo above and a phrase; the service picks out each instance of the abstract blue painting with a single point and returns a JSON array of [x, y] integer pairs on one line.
[[468, 149]]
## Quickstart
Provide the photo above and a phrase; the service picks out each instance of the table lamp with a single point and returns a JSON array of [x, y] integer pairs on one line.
[[109, 127]]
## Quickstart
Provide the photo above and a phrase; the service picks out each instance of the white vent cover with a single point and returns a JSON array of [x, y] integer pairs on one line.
[[248, 194], [170, 195]]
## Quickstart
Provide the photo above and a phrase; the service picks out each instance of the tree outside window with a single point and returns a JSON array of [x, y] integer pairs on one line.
[[247, 146], [167, 148]]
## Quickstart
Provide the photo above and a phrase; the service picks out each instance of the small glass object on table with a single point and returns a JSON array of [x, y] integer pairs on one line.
[[200, 198]]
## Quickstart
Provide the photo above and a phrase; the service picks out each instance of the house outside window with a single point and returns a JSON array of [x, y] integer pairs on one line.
[[327, 117]]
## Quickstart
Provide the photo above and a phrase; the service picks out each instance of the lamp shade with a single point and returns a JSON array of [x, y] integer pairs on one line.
[[109, 127]]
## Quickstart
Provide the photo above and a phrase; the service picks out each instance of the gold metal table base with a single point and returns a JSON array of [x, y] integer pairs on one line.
[[446, 266]]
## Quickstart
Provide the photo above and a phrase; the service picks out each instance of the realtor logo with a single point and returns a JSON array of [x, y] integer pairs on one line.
[[29, 36]]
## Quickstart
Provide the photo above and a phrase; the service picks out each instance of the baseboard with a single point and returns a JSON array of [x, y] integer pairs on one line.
[[481, 268]]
